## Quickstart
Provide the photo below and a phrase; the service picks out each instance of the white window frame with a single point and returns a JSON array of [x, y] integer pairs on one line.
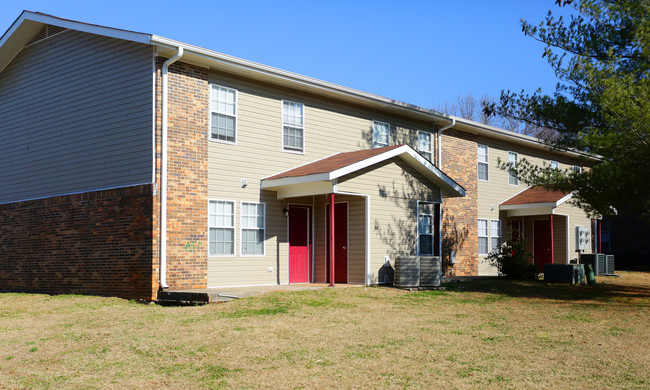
[[554, 165], [577, 169], [513, 180], [492, 248], [216, 226], [424, 152], [242, 228], [486, 162], [375, 143], [433, 227], [292, 149], [487, 236], [236, 103]]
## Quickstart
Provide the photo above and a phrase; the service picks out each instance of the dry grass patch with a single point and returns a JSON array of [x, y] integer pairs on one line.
[[489, 334]]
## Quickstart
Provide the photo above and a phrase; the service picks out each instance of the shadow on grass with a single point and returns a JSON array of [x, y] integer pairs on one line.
[[607, 292]]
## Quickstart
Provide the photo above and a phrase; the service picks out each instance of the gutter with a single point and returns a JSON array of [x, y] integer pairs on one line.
[[439, 136], [163, 174]]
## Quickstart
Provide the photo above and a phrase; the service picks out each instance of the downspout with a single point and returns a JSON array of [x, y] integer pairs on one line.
[[163, 174], [439, 165], [453, 122]]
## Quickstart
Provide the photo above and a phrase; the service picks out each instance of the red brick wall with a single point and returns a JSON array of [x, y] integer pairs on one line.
[[459, 215], [187, 176], [96, 243]]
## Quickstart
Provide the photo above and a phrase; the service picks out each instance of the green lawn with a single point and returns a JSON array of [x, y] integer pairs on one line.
[[486, 334]]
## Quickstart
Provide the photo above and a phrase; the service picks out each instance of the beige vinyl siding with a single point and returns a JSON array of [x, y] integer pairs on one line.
[[576, 217], [394, 188], [560, 239], [330, 127], [76, 113], [356, 237], [496, 190], [240, 270]]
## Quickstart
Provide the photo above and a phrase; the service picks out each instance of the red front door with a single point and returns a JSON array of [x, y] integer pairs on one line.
[[299, 244], [542, 244], [340, 243]]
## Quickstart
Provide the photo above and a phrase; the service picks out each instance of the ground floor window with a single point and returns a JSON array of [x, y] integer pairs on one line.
[[252, 228], [482, 236], [428, 228], [495, 234], [221, 227]]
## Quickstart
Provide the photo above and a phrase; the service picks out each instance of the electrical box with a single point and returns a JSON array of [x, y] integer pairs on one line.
[[582, 238]]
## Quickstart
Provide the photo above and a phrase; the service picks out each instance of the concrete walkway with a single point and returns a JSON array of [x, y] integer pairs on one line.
[[225, 294]]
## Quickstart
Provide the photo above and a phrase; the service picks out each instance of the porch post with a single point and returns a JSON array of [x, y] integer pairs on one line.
[[550, 217], [331, 243], [599, 225]]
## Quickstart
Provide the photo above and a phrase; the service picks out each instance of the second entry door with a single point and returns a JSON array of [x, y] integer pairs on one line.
[[340, 242]]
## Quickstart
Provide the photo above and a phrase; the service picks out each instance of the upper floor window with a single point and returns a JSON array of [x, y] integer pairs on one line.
[[221, 227], [555, 165], [380, 134], [425, 145], [223, 106], [252, 228], [512, 174], [576, 169], [293, 126], [482, 157]]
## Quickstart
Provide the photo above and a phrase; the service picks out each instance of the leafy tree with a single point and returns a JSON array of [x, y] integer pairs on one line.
[[601, 104]]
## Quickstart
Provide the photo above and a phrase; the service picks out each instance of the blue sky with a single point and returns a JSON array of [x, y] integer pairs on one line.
[[420, 52]]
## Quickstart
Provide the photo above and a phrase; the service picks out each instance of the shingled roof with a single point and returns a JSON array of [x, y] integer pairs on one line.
[[324, 172], [535, 195], [332, 163]]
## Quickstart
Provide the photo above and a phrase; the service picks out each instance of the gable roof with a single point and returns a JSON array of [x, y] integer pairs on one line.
[[332, 163], [537, 195], [534, 201], [330, 168], [29, 23]]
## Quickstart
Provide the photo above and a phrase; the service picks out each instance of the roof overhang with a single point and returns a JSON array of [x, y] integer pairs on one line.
[[325, 182], [538, 208], [28, 24]]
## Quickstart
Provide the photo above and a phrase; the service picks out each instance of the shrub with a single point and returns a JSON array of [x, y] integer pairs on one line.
[[513, 261]]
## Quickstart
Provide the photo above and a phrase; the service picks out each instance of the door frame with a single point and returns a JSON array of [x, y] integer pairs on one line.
[[310, 238], [534, 240], [347, 238]]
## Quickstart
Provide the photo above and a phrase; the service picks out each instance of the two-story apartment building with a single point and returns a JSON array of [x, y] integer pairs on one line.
[[133, 163]]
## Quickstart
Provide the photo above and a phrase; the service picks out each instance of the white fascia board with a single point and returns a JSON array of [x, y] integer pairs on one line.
[[447, 184], [368, 162], [287, 181], [404, 151], [527, 206], [315, 85], [561, 201], [89, 28], [510, 136], [12, 29], [305, 189], [527, 212]]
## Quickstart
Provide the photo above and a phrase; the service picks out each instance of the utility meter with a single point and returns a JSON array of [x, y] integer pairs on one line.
[[582, 238]]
